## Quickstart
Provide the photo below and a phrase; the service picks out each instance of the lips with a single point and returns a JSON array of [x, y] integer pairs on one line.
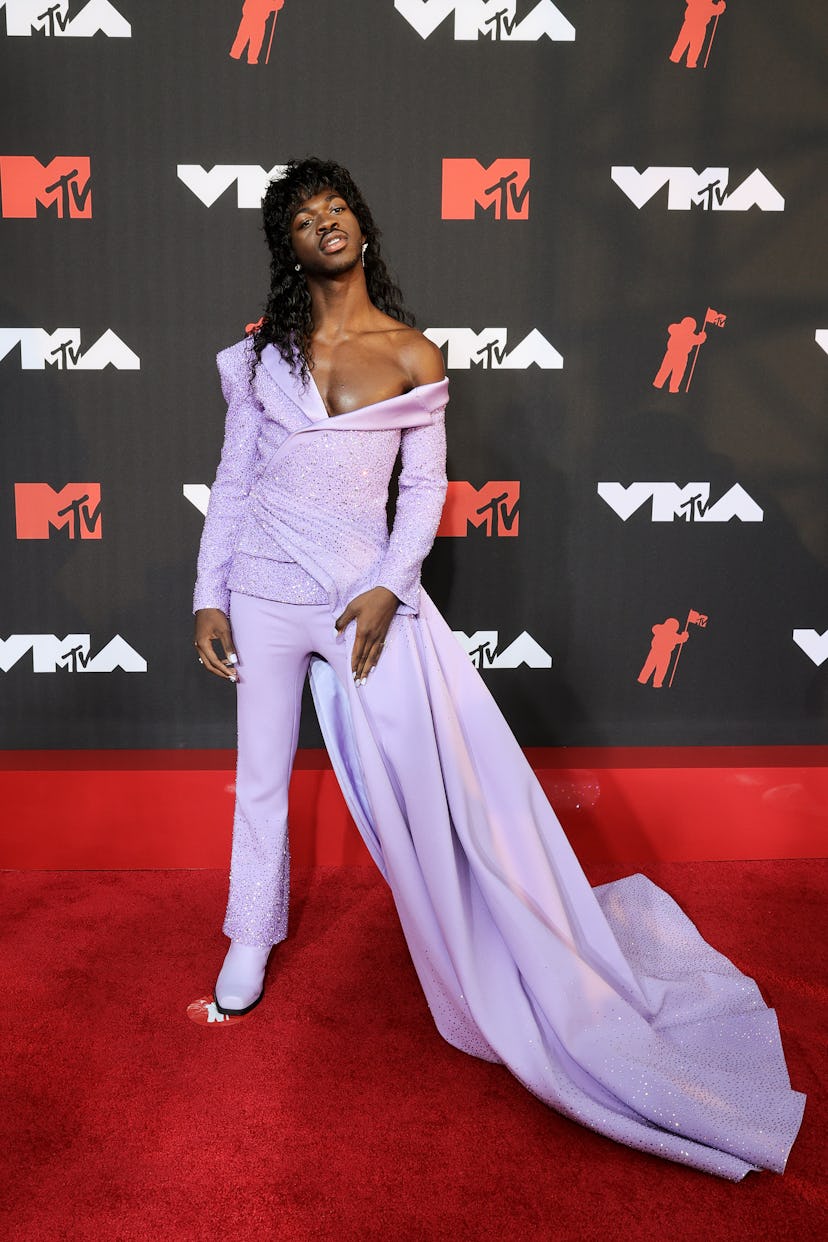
[[332, 242]]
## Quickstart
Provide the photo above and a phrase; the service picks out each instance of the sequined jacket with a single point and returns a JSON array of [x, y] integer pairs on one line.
[[309, 526]]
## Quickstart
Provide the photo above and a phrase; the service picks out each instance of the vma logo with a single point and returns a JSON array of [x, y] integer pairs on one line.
[[813, 644], [62, 349], [72, 654], [494, 507], [63, 187], [689, 504], [488, 349], [706, 190], [75, 508], [27, 17], [494, 19], [501, 189], [251, 181], [481, 648]]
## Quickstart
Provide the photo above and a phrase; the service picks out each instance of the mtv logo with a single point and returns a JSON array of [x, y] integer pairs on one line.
[[707, 189], [821, 338], [494, 507], [62, 349], [690, 503], [488, 349], [481, 647], [501, 188], [25, 17], [72, 653], [494, 19], [209, 184], [64, 186], [813, 644], [75, 508]]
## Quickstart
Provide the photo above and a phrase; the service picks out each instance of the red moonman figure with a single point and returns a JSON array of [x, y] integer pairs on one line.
[[691, 36], [251, 31], [681, 338], [666, 638]]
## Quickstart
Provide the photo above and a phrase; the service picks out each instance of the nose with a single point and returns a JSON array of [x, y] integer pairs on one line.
[[326, 224]]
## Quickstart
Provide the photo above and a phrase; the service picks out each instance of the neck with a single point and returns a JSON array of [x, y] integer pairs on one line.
[[339, 303]]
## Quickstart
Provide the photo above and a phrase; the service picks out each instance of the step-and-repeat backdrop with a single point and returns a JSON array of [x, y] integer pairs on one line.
[[610, 218]]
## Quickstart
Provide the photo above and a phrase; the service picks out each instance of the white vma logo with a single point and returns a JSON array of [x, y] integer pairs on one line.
[[690, 503], [26, 17], [494, 19], [481, 647], [198, 494], [487, 349], [707, 189], [72, 653], [62, 349], [814, 645], [209, 184]]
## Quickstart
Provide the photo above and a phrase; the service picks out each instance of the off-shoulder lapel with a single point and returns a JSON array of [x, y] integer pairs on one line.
[[305, 396]]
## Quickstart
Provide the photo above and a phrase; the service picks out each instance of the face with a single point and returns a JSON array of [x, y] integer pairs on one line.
[[325, 235]]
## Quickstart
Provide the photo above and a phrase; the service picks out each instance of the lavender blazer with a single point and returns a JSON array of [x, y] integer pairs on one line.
[[301, 518]]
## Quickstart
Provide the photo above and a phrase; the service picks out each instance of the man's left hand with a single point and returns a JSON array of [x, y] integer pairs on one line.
[[373, 612]]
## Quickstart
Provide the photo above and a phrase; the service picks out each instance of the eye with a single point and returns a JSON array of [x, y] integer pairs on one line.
[[303, 223]]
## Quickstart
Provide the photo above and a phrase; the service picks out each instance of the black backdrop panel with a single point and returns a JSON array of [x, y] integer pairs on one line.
[[599, 270]]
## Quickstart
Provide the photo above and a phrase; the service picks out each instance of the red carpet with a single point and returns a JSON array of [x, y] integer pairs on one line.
[[336, 1111]]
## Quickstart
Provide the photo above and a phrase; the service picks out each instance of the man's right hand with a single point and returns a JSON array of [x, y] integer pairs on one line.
[[212, 623]]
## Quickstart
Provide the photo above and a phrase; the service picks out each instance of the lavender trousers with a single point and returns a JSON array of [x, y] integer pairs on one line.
[[274, 643], [606, 1003]]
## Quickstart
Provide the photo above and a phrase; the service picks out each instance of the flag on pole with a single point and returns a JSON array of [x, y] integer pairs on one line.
[[715, 317], [696, 618]]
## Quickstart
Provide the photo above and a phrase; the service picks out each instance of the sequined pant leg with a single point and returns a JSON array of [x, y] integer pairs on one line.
[[273, 648]]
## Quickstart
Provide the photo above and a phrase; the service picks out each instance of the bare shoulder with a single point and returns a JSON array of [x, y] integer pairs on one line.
[[420, 357]]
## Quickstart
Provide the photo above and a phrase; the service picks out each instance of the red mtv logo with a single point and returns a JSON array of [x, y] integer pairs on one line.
[[63, 185], [494, 506], [503, 188], [40, 509]]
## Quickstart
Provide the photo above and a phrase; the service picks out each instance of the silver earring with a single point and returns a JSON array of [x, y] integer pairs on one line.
[[297, 267], [364, 248]]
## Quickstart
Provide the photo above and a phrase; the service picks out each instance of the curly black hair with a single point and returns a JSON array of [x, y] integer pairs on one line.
[[287, 322]]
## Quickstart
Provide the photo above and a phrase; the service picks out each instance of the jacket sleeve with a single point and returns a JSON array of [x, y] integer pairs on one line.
[[422, 491], [234, 479]]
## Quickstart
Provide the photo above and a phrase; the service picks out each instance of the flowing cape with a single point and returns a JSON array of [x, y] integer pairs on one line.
[[606, 1003]]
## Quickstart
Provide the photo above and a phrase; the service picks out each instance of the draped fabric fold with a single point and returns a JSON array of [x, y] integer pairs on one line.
[[607, 1003]]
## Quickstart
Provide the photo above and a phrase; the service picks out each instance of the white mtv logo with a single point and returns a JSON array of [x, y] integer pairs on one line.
[[814, 645], [707, 189], [821, 338], [25, 17], [487, 349], [481, 647], [209, 184], [49, 653], [494, 19], [690, 503], [62, 349]]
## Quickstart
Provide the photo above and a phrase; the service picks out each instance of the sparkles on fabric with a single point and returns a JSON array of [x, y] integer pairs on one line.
[[264, 519], [607, 1004]]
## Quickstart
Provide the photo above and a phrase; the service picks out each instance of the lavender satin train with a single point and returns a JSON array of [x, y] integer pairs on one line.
[[606, 1003]]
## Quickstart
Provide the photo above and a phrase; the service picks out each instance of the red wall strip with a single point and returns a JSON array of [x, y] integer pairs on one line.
[[102, 809]]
